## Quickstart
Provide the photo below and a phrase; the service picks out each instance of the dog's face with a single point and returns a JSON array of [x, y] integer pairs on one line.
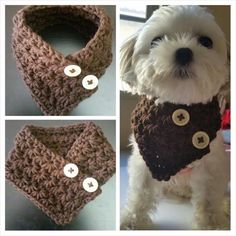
[[179, 55]]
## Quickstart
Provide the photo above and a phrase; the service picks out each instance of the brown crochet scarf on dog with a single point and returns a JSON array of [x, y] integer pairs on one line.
[[42, 67], [35, 167], [168, 144]]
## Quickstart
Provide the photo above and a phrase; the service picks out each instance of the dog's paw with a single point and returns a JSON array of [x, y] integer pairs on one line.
[[210, 226], [212, 222], [133, 222]]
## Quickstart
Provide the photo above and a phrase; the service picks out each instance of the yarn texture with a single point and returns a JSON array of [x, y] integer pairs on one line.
[[42, 67], [166, 147], [35, 167]]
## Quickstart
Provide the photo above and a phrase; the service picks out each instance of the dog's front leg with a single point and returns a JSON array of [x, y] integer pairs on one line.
[[210, 215], [209, 186], [141, 197]]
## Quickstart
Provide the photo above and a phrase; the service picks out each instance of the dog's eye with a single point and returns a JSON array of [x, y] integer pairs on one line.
[[156, 40], [205, 41]]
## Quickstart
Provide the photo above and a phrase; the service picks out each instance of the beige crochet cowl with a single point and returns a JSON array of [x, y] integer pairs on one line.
[[42, 67], [36, 167]]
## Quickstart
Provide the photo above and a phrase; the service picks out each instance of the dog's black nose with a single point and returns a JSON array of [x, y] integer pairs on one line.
[[183, 56]]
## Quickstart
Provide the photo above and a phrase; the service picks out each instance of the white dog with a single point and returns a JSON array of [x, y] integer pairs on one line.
[[178, 56]]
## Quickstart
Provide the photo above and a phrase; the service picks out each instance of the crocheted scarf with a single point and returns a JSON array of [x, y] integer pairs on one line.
[[167, 144], [35, 166], [42, 67]]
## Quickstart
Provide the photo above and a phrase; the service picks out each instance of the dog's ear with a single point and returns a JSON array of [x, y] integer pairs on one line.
[[128, 77]]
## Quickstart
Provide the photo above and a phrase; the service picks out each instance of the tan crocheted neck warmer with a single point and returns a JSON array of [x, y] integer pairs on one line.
[[172, 136], [61, 169], [58, 83]]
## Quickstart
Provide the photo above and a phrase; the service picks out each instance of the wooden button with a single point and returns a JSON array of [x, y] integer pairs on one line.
[[200, 140], [180, 117]]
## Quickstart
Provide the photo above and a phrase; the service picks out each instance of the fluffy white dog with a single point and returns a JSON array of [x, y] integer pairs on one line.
[[178, 56]]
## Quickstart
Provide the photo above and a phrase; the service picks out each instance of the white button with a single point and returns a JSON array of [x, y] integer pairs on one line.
[[90, 184], [200, 140], [90, 82], [180, 117], [72, 70], [71, 170]]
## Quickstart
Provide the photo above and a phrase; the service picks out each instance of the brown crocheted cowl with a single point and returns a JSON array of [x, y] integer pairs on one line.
[[166, 147], [42, 67], [35, 167]]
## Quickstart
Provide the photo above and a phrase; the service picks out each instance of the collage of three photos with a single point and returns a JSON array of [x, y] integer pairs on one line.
[[152, 110]]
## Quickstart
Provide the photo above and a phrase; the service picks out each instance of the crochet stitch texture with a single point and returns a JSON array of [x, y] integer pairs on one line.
[[166, 147], [35, 166], [42, 67]]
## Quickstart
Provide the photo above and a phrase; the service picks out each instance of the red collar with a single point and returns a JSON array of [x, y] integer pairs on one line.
[[186, 170]]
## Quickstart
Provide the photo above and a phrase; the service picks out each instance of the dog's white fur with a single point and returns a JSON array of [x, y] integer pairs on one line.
[[150, 70]]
